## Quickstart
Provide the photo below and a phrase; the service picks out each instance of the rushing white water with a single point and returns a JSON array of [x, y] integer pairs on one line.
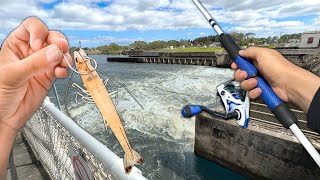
[[158, 131], [162, 99]]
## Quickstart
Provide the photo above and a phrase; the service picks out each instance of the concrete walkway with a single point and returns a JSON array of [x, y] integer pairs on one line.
[[23, 164]]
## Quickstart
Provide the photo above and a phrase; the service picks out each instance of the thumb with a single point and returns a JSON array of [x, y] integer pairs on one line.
[[39, 61]]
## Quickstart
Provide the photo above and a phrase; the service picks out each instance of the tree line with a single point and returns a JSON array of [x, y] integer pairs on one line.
[[243, 39]]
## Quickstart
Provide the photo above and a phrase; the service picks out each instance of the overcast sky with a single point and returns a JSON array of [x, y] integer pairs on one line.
[[99, 22]]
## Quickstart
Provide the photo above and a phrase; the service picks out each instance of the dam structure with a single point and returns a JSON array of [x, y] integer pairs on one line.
[[183, 58], [306, 58], [264, 150]]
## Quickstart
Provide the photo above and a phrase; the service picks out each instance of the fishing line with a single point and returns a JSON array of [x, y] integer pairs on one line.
[[86, 58], [122, 86], [66, 94]]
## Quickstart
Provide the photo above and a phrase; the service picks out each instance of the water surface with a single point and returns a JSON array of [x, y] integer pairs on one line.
[[150, 100]]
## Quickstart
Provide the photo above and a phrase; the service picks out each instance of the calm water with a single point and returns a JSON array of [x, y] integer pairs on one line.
[[150, 100]]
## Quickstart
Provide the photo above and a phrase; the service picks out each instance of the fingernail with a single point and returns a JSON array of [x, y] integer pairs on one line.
[[252, 83], [67, 70], [36, 44], [62, 41], [257, 91], [243, 75], [53, 53]]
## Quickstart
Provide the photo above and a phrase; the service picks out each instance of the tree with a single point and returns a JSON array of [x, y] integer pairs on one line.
[[275, 39], [138, 45], [250, 35], [155, 45], [185, 43], [201, 41], [243, 39], [173, 43], [284, 38], [269, 40], [114, 48], [238, 37], [111, 49]]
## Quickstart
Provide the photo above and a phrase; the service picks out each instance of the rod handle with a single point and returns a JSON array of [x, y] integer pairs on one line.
[[276, 105]]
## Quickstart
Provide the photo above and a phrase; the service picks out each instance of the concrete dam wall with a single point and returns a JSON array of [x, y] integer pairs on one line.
[[302, 57], [188, 58], [265, 150]]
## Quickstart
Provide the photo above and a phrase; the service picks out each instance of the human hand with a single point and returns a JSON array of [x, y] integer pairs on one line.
[[271, 65], [30, 61], [289, 82]]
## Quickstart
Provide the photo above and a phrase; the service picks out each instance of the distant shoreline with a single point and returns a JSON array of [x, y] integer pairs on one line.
[[176, 50]]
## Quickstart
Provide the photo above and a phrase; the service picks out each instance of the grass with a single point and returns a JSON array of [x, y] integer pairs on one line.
[[192, 49]]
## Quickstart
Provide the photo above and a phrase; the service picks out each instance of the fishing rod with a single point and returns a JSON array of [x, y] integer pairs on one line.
[[279, 108]]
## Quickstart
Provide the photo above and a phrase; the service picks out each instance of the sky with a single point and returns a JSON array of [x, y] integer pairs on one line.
[[101, 22]]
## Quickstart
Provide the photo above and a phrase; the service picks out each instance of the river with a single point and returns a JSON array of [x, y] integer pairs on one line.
[[150, 98]]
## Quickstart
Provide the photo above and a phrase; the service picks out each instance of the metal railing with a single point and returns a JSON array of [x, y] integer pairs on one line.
[[56, 140], [311, 62], [296, 51]]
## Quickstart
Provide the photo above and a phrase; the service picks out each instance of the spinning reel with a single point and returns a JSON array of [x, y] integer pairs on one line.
[[235, 100]]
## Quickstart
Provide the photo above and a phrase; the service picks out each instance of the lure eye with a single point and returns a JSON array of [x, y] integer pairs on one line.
[[76, 59]]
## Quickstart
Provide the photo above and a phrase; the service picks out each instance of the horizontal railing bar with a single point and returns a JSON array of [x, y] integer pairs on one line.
[[111, 161]]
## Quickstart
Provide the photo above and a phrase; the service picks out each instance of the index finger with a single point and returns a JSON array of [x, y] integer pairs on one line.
[[234, 66], [58, 38], [32, 30], [250, 53]]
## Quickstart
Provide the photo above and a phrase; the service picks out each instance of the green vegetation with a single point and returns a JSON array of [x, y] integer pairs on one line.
[[246, 39], [193, 49], [201, 44]]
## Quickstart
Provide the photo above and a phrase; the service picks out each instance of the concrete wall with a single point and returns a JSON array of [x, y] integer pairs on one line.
[[125, 59], [189, 54], [204, 59], [172, 54], [254, 152], [197, 58]]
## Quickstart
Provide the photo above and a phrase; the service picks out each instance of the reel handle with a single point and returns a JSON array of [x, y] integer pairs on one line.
[[190, 110]]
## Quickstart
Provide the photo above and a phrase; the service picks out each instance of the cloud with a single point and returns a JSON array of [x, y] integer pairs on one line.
[[111, 39], [100, 40], [126, 15], [179, 14], [317, 21], [2, 38]]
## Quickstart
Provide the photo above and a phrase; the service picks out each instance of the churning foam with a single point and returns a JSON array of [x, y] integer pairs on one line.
[[162, 98]]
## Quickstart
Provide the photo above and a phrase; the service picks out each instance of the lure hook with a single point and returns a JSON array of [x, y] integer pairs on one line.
[[78, 72]]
